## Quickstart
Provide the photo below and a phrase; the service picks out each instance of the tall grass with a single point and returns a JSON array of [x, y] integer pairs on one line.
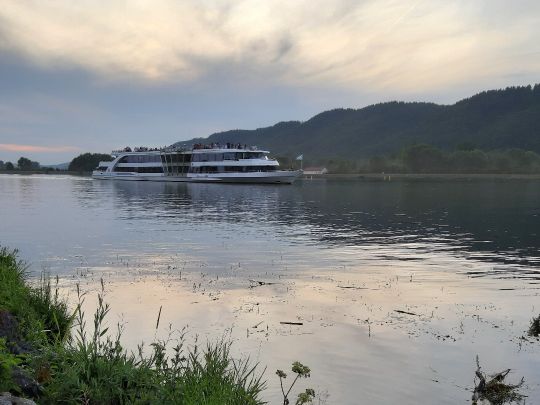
[[41, 313], [96, 369], [75, 366]]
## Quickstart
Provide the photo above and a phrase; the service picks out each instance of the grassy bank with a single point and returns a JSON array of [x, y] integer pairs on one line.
[[48, 354]]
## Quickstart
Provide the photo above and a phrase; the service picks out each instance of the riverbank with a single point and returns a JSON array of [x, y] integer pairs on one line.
[[423, 176], [48, 172], [48, 354]]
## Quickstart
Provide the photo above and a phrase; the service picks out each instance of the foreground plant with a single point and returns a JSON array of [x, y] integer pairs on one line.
[[96, 369], [494, 389], [31, 319], [76, 365], [301, 371], [534, 329]]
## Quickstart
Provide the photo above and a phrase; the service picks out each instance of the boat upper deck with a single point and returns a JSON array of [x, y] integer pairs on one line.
[[196, 148]]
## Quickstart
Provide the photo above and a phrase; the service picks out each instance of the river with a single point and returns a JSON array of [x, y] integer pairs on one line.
[[398, 285]]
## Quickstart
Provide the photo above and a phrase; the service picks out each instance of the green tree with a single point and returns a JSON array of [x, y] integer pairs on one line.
[[9, 166], [27, 164], [378, 164], [468, 161], [24, 163], [466, 146], [422, 158], [88, 162]]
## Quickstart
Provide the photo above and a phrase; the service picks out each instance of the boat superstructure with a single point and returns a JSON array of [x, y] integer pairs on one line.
[[202, 163]]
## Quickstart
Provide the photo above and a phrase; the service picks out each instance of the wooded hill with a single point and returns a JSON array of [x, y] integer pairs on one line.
[[496, 119]]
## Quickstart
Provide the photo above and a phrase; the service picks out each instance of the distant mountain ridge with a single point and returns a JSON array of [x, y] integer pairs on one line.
[[59, 166], [495, 119]]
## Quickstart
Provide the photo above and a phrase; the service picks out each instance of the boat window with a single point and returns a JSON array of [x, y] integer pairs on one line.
[[249, 169], [253, 155], [209, 169], [125, 169], [200, 157], [140, 159], [150, 170]]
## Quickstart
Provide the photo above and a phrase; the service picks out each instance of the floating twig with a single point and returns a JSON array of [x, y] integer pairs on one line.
[[158, 317], [257, 283], [399, 311]]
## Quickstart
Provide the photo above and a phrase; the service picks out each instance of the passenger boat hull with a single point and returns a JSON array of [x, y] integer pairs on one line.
[[276, 177]]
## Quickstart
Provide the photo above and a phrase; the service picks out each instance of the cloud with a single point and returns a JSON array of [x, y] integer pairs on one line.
[[10, 147], [368, 44]]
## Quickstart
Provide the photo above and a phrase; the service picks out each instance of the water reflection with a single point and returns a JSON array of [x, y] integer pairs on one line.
[[484, 220]]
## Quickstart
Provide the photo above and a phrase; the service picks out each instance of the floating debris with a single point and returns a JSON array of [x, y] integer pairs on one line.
[[399, 311], [496, 391], [256, 283]]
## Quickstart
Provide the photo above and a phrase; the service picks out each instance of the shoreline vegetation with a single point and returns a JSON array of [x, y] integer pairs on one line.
[[383, 176], [416, 159], [48, 354]]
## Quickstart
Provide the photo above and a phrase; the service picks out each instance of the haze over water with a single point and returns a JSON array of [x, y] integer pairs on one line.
[[462, 256]]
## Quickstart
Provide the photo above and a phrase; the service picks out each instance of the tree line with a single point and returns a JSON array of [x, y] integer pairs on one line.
[[82, 163], [425, 158], [23, 164], [417, 158], [88, 162]]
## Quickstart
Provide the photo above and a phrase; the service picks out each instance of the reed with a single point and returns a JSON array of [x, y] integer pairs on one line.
[[70, 365]]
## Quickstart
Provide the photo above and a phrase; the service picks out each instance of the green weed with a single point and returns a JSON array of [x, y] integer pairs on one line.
[[301, 371], [41, 314], [534, 329], [96, 369]]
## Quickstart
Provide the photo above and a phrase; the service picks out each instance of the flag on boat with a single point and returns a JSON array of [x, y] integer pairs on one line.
[[300, 157]]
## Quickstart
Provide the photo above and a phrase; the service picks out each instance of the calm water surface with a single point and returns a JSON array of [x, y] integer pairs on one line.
[[340, 256]]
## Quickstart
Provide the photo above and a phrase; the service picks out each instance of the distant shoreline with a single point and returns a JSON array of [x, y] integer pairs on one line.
[[425, 176], [32, 172], [348, 176]]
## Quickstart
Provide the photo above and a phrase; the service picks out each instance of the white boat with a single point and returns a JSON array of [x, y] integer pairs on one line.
[[214, 163]]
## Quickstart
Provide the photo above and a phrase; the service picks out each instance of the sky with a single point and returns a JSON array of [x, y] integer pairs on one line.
[[95, 75]]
